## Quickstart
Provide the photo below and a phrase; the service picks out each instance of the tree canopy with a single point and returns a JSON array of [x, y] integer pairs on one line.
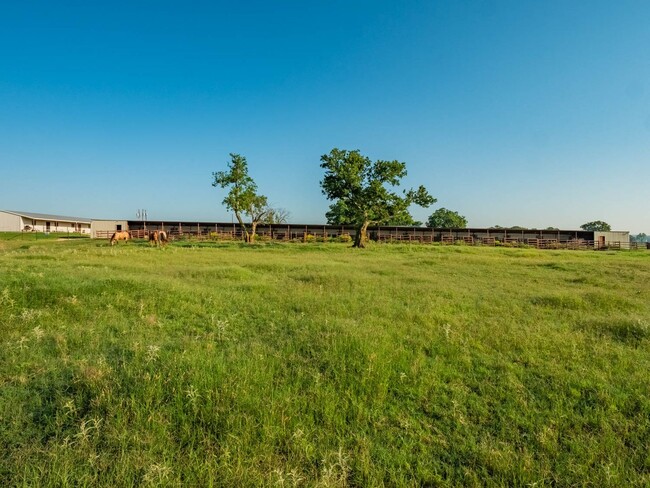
[[338, 215], [361, 190], [242, 199], [597, 225], [448, 219]]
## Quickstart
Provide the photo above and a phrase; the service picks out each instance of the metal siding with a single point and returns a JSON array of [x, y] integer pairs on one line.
[[107, 226], [9, 222], [614, 236]]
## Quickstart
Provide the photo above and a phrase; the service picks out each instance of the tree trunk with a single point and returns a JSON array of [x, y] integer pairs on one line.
[[245, 233], [251, 238], [361, 237]]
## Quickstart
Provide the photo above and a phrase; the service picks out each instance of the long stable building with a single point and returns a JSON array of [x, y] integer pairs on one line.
[[17, 221], [470, 236]]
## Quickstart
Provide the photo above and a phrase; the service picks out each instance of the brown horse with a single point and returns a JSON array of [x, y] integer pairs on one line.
[[158, 237], [121, 235]]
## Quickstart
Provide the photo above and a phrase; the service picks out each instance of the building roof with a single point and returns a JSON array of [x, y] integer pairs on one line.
[[403, 228], [40, 216]]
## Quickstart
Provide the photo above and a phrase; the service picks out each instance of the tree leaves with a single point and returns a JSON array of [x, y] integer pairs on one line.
[[447, 219], [597, 225]]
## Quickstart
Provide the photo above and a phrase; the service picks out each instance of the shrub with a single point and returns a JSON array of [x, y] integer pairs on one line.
[[344, 238]]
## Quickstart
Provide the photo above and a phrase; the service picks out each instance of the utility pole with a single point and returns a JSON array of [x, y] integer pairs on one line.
[[141, 215]]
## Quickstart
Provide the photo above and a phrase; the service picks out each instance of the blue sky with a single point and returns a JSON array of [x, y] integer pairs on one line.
[[511, 112]]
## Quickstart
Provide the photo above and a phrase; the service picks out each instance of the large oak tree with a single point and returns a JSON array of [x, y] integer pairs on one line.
[[362, 190]]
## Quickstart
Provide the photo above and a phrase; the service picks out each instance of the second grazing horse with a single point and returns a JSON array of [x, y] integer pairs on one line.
[[158, 237]]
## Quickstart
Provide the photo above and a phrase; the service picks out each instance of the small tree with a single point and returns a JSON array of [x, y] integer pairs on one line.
[[276, 216], [242, 199], [447, 219], [597, 226], [360, 189]]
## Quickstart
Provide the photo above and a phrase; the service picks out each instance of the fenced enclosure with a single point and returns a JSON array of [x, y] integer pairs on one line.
[[538, 239]]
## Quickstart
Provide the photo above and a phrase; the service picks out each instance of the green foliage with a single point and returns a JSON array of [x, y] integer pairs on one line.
[[642, 237], [404, 219], [597, 226], [242, 197], [447, 219], [360, 190], [290, 365], [339, 215]]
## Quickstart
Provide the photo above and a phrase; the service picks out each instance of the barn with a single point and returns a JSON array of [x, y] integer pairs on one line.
[[15, 221], [542, 239]]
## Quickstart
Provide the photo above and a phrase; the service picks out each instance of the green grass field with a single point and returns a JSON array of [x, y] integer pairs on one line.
[[322, 365]]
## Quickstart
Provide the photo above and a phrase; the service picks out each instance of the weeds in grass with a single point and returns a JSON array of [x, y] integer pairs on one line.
[[156, 474], [152, 353], [220, 328], [38, 332], [5, 299]]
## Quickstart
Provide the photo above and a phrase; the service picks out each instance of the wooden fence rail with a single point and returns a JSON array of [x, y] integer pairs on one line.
[[309, 235]]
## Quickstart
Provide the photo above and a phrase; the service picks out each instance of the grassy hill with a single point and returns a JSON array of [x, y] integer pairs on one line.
[[321, 365]]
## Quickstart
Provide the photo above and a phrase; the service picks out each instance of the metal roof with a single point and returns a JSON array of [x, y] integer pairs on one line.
[[404, 228], [40, 216]]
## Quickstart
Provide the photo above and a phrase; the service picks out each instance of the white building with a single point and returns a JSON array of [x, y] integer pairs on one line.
[[14, 221]]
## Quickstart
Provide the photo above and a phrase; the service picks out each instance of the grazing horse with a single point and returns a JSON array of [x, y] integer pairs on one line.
[[121, 235], [158, 237]]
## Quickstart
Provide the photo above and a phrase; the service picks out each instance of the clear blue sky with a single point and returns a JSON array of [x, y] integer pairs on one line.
[[513, 113]]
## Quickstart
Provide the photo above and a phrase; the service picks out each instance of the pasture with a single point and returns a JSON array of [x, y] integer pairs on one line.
[[321, 365]]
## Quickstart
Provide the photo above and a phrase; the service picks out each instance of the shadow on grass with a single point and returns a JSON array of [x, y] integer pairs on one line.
[[564, 301], [626, 331]]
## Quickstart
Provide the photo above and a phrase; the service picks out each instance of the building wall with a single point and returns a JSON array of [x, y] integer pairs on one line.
[[101, 227], [38, 225], [622, 237], [9, 222]]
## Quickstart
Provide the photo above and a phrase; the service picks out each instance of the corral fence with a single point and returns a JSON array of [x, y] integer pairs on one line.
[[538, 239], [135, 234]]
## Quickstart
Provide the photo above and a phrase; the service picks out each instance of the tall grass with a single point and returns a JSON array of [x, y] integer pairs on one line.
[[321, 365]]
